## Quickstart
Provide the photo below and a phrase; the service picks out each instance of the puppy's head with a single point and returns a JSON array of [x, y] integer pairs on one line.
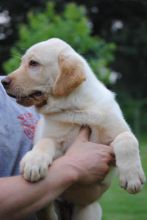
[[50, 68]]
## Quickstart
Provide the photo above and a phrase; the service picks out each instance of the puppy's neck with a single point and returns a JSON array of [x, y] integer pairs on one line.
[[91, 94], [60, 105]]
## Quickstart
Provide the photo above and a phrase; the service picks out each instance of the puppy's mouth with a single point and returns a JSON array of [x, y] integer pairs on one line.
[[36, 98]]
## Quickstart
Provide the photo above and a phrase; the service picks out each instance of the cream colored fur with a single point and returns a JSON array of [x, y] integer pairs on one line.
[[86, 102]]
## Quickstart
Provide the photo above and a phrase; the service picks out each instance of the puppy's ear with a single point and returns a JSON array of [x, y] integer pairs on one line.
[[71, 75]]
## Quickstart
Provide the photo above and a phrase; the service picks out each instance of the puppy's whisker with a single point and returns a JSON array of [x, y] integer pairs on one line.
[[18, 92]]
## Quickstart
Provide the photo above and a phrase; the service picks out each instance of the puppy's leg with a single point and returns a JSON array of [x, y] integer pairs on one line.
[[128, 162], [34, 165], [89, 212], [47, 213]]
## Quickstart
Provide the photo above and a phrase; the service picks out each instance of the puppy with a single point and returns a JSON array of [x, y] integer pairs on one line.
[[64, 90]]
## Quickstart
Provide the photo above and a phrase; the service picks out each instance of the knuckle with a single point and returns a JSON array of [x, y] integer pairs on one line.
[[105, 169]]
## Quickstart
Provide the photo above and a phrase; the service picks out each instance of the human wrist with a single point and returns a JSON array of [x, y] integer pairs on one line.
[[66, 167]]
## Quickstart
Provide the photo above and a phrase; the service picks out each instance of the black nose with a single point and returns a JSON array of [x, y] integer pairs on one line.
[[6, 82]]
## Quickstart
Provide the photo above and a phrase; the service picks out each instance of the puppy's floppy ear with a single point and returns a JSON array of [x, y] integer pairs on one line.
[[71, 75]]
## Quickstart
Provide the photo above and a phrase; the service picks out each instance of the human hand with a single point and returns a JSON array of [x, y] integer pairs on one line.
[[90, 161]]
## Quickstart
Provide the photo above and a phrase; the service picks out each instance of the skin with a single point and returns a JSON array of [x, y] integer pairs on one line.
[[19, 198]]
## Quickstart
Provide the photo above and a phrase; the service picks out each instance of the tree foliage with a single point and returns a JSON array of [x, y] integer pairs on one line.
[[131, 56], [73, 26]]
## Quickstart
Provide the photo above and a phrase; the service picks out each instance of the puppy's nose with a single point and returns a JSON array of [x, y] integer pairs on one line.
[[6, 82]]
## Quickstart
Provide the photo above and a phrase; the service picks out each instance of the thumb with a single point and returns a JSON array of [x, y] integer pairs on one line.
[[84, 134]]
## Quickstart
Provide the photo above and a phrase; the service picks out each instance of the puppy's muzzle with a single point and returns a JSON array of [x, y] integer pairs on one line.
[[6, 82]]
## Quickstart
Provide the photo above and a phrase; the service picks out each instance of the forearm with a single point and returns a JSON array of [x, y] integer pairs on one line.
[[19, 198]]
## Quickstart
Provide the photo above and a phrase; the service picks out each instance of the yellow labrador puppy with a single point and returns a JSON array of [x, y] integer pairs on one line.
[[63, 88]]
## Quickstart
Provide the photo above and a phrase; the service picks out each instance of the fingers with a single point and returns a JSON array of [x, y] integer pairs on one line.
[[112, 161], [106, 148], [84, 134], [110, 157], [104, 168], [108, 154]]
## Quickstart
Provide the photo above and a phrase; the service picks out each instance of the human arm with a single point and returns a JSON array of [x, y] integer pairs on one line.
[[19, 198]]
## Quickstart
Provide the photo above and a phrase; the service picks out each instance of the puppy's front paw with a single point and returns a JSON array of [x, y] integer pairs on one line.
[[132, 179], [34, 166]]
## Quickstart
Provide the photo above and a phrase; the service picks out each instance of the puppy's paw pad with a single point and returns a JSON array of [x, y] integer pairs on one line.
[[34, 166]]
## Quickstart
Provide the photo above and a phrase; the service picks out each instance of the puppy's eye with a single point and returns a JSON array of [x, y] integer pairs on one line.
[[33, 63]]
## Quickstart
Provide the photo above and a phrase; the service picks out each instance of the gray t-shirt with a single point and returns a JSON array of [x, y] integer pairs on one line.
[[17, 125]]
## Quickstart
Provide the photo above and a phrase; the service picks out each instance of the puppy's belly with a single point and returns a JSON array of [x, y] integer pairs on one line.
[[97, 136], [84, 194]]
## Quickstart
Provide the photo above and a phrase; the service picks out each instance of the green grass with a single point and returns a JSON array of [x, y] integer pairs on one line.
[[117, 204]]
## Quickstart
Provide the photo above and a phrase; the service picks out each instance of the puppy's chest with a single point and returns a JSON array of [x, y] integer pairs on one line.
[[64, 134]]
